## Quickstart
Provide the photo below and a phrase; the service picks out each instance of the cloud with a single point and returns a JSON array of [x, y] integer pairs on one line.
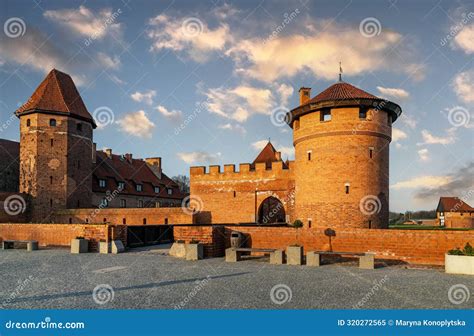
[[458, 183], [259, 145], [408, 120], [285, 151], [199, 157], [86, 23], [426, 181], [189, 35], [398, 134], [137, 124], [430, 139], [463, 85], [173, 115], [285, 92], [424, 154], [240, 102], [316, 52], [233, 127], [393, 92], [38, 52], [145, 97], [108, 62], [465, 39]]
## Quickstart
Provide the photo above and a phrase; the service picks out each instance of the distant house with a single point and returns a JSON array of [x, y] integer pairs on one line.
[[452, 212]]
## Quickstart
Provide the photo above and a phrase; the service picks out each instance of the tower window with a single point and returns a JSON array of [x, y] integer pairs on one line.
[[51, 202], [28, 123], [310, 222], [79, 127], [52, 142], [347, 186], [325, 114], [371, 152], [235, 193], [370, 224], [124, 221], [139, 187], [123, 203], [166, 220], [50, 180], [363, 113], [144, 221], [309, 155], [102, 183], [52, 122]]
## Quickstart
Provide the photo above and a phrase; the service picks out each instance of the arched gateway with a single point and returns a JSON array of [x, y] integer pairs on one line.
[[271, 211]]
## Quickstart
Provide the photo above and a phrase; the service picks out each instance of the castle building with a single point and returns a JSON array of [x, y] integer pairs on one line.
[[339, 178], [59, 167]]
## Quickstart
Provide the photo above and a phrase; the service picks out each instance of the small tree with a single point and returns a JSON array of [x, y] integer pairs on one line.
[[297, 223]]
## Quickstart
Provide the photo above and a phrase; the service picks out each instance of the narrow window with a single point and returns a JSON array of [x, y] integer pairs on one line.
[[104, 203], [124, 221], [157, 204], [121, 186], [52, 122], [309, 155], [370, 224], [52, 142], [102, 183], [363, 113], [144, 221], [170, 191], [50, 180], [87, 220], [105, 220], [70, 220], [310, 222], [235, 193], [325, 114], [79, 127], [78, 203], [157, 190], [371, 152], [166, 220], [28, 123], [123, 203], [347, 185], [139, 187], [51, 202], [140, 203]]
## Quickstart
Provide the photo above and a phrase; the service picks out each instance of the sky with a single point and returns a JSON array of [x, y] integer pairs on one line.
[[203, 82]]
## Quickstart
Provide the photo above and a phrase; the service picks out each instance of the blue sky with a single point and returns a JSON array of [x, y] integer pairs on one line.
[[198, 82]]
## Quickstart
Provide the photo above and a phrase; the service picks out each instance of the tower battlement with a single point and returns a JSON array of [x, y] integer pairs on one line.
[[259, 169]]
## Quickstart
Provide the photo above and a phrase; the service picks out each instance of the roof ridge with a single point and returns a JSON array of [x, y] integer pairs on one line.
[[55, 74]]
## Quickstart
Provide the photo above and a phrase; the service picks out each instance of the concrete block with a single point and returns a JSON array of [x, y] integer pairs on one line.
[[178, 250], [455, 264], [313, 259], [32, 245], [294, 255], [104, 247], [367, 261], [231, 255], [79, 246], [276, 257], [117, 246], [194, 251]]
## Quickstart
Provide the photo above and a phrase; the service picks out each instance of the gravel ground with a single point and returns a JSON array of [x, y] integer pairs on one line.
[[148, 278]]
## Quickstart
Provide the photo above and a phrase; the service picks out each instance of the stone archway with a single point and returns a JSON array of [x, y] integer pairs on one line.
[[271, 211]]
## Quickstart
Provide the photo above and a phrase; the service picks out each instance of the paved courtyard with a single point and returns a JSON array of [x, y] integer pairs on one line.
[[147, 278]]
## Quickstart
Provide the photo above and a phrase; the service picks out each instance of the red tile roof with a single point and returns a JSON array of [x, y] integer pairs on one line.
[[341, 91], [10, 150], [57, 93], [453, 204], [268, 155], [118, 168]]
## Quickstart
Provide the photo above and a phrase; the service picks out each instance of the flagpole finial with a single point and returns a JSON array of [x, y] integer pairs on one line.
[[340, 71]]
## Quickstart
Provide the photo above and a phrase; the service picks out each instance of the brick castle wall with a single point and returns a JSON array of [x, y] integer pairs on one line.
[[213, 237], [457, 220]]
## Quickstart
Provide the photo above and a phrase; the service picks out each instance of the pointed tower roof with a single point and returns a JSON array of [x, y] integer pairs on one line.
[[268, 155], [57, 94], [341, 91]]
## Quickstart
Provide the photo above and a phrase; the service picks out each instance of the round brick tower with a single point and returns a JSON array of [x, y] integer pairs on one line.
[[341, 139]]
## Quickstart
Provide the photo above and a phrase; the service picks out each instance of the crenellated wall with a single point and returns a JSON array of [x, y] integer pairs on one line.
[[234, 196]]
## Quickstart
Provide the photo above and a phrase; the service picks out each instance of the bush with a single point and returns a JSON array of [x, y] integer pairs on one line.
[[297, 223], [467, 251], [194, 241]]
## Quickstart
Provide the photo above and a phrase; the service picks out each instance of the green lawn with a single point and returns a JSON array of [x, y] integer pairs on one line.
[[423, 227]]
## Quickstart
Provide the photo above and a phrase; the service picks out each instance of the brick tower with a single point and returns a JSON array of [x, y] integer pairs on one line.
[[341, 139], [55, 147]]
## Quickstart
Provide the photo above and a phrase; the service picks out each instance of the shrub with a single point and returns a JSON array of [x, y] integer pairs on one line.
[[297, 223], [194, 241], [467, 251]]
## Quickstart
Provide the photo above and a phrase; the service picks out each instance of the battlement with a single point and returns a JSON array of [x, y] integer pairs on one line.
[[260, 169]]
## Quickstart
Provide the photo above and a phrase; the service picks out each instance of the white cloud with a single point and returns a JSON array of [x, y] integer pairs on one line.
[[173, 115], [145, 97], [108, 62], [426, 181], [86, 23], [463, 85], [288, 55], [116, 79], [259, 145], [199, 157], [408, 120], [233, 127], [137, 124], [465, 39], [430, 139], [424, 154], [285, 92], [398, 134], [189, 35], [285, 151], [240, 102], [393, 92]]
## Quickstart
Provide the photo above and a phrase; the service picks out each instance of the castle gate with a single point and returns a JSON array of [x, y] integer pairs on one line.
[[271, 211]]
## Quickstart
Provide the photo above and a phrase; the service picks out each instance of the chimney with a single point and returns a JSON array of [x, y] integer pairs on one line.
[[305, 95], [155, 165], [129, 157], [278, 156], [108, 151], [94, 152]]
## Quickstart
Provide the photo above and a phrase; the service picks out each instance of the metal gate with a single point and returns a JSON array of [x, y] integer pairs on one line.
[[143, 235]]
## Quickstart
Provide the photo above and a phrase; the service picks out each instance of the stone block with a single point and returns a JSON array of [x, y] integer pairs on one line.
[[313, 259], [32, 245], [231, 255], [178, 250], [117, 247], [104, 247], [456, 264], [294, 255], [367, 261], [276, 257], [194, 251], [79, 246]]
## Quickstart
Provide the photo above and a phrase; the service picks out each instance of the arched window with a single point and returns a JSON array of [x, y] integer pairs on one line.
[[52, 122]]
